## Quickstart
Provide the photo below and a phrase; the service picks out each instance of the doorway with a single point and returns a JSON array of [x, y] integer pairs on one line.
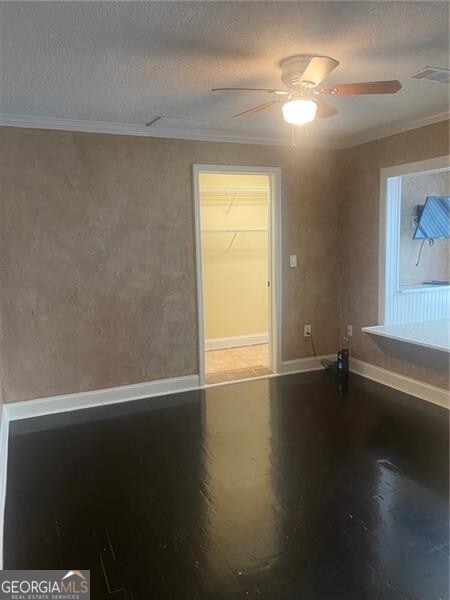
[[236, 211]]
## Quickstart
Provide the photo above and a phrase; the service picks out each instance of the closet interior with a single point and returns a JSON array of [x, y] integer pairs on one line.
[[235, 269]]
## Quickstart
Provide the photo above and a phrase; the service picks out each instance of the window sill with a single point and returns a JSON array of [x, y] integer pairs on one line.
[[429, 334], [423, 287]]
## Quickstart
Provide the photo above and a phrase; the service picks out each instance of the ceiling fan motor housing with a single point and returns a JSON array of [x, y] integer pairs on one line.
[[295, 72]]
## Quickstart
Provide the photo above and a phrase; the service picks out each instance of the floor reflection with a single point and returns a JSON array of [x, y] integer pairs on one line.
[[281, 489], [243, 502]]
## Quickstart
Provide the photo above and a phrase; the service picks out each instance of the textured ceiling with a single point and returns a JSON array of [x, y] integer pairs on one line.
[[130, 62]]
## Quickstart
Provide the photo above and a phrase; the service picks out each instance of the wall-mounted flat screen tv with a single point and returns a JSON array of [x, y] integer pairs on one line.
[[434, 220]]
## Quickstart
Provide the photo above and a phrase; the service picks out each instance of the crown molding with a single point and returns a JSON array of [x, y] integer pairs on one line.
[[393, 129], [214, 135], [109, 127]]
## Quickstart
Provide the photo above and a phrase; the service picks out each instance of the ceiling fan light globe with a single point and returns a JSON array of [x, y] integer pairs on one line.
[[299, 112]]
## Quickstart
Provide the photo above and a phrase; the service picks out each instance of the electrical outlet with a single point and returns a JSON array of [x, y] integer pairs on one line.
[[292, 260], [349, 330], [307, 331]]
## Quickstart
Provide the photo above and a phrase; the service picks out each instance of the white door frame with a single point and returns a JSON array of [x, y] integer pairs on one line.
[[274, 174]]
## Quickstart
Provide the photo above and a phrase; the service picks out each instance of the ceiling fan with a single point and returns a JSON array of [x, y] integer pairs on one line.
[[302, 101]]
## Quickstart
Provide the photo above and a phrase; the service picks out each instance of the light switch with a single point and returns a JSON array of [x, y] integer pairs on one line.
[[293, 260]]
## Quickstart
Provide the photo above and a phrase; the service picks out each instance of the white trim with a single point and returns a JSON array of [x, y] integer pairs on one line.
[[302, 365], [276, 268], [199, 276], [393, 129], [109, 127], [214, 135], [237, 341], [68, 402], [392, 216], [407, 385], [4, 431], [275, 258], [382, 240], [438, 163]]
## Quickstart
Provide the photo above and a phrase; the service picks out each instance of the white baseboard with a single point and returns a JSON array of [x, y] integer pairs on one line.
[[68, 402], [4, 431], [416, 388], [236, 341], [300, 365]]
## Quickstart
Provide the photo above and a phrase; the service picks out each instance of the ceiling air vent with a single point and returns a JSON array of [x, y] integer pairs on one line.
[[433, 74], [175, 123]]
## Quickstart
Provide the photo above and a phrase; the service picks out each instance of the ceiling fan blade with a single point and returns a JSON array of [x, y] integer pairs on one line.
[[256, 109], [324, 109], [318, 68], [365, 87], [238, 89]]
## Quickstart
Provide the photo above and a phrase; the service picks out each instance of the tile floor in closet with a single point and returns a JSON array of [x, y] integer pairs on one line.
[[230, 364]]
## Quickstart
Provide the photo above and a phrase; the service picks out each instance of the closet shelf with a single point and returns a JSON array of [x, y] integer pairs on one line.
[[226, 191], [233, 194], [234, 232]]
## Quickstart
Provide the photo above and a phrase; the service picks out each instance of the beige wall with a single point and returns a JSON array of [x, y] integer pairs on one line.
[[359, 185], [434, 260], [235, 295], [235, 266], [97, 271]]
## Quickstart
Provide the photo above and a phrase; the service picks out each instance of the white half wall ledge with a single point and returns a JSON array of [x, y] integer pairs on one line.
[[237, 341], [428, 334], [407, 385]]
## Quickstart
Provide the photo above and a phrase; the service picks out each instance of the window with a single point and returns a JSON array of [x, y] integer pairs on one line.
[[414, 287], [416, 271]]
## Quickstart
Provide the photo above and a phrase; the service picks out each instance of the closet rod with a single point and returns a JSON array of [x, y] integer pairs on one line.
[[231, 204], [232, 241]]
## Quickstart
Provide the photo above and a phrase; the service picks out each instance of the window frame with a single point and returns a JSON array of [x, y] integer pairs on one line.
[[389, 230]]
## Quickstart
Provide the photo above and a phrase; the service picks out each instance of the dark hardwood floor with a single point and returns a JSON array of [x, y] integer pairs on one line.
[[279, 488]]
